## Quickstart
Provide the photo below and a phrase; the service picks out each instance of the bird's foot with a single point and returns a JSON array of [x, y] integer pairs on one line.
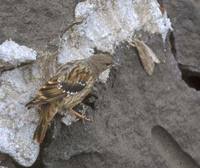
[[83, 117]]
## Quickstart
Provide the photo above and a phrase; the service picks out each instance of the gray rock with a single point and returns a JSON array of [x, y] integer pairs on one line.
[[128, 108], [13, 55], [17, 124], [37, 24], [185, 20], [6, 161]]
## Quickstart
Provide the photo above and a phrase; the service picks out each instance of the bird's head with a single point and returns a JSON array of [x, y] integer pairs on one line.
[[101, 61]]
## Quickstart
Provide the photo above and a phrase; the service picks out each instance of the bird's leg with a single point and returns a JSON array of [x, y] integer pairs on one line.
[[81, 116]]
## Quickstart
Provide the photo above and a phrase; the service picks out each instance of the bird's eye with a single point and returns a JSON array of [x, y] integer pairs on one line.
[[108, 64]]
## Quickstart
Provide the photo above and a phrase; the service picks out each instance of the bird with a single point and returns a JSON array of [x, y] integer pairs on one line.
[[69, 86]]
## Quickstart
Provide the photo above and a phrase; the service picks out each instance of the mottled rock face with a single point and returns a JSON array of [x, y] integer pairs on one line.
[[6, 161], [129, 106], [132, 104], [37, 24], [139, 121], [186, 22], [19, 83]]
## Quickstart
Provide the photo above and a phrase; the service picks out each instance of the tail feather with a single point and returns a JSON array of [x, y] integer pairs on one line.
[[47, 113], [34, 102], [40, 131]]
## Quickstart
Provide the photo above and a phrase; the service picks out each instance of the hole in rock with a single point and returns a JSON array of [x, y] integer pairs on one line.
[[191, 76]]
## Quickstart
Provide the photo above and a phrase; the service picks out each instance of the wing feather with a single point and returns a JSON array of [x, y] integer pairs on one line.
[[63, 85]]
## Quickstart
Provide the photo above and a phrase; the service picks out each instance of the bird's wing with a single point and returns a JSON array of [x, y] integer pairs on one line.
[[69, 81]]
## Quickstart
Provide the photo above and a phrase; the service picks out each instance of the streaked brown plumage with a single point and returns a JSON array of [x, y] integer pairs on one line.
[[71, 84]]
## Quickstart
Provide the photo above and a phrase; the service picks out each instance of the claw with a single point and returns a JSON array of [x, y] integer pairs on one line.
[[80, 116]]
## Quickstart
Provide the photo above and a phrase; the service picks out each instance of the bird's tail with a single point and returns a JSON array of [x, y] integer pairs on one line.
[[32, 103], [40, 131], [46, 115]]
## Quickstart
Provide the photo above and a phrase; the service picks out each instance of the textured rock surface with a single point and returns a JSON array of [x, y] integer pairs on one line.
[[35, 23], [187, 36], [128, 108], [6, 162], [186, 21], [13, 55], [17, 124], [131, 103]]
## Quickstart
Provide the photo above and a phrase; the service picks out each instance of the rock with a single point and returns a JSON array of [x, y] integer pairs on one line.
[[6, 162], [104, 25], [37, 24], [17, 124], [27, 24], [95, 30], [132, 104], [185, 20], [129, 106], [13, 55], [170, 150]]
